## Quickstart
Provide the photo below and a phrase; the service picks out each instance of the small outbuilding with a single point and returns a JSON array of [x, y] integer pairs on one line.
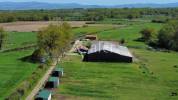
[[53, 82], [105, 51], [43, 95], [91, 37], [58, 72]]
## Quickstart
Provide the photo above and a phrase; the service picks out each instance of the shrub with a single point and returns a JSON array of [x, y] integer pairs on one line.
[[148, 34], [168, 36]]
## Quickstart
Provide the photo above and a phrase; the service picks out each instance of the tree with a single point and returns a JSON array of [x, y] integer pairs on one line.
[[168, 36], [2, 37], [54, 38], [148, 34]]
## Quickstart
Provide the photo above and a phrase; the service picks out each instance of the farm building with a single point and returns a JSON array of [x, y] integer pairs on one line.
[[58, 72], [104, 51], [53, 82], [43, 95], [91, 37]]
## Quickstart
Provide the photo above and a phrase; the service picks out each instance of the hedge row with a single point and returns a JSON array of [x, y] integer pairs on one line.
[[23, 89]]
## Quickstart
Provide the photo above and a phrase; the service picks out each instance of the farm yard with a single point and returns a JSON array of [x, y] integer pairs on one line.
[[152, 77]]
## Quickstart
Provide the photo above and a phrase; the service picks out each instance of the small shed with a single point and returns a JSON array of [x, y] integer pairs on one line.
[[53, 82], [58, 72], [43, 95], [91, 37]]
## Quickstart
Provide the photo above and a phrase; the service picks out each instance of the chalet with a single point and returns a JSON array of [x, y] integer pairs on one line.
[[104, 51]]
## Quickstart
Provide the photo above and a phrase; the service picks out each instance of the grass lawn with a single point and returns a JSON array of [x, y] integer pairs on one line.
[[153, 77]]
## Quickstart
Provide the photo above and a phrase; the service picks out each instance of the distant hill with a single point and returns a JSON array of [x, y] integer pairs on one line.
[[40, 5]]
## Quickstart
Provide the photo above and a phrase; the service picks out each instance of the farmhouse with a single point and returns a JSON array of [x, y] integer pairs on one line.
[[43, 95], [104, 51]]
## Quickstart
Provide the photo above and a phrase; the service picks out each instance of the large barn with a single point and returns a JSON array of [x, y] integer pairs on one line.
[[104, 51]]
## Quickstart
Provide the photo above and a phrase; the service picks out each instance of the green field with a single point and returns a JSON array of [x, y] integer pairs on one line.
[[152, 77], [20, 39], [12, 70]]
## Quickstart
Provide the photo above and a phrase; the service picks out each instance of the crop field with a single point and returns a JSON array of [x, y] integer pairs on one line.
[[29, 26], [152, 77]]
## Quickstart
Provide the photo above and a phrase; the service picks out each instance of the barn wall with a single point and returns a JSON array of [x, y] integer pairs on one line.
[[106, 57]]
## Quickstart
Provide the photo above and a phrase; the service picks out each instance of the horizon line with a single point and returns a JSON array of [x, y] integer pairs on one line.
[[82, 3]]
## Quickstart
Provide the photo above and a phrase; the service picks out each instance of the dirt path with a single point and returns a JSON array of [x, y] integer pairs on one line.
[[41, 82]]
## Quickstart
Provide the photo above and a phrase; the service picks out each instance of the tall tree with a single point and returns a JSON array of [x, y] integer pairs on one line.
[[166, 36], [54, 38]]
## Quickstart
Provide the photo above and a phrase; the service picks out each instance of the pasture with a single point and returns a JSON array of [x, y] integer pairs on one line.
[[12, 70], [152, 77]]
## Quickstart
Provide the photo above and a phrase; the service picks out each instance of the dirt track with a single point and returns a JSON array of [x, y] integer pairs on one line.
[[41, 82], [29, 26]]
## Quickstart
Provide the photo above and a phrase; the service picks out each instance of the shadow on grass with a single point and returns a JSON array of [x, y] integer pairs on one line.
[[29, 59]]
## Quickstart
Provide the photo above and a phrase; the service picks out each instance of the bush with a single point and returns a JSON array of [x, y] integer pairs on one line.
[[168, 36], [148, 34]]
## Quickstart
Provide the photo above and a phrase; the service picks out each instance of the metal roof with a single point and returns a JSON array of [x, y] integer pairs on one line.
[[53, 79], [43, 94], [98, 46], [58, 69]]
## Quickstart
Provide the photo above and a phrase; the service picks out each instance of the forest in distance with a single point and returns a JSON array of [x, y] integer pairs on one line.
[[92, 14]]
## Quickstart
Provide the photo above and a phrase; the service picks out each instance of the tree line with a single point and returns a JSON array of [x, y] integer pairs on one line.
[[166, 37], [85, 14]]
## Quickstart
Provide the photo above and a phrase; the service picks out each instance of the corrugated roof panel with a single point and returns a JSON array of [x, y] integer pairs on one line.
[[109, 46], [53, 79], [44, 94]]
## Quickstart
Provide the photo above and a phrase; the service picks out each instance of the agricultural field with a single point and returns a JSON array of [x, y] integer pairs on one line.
[[153, 76], [20, 39], [10, 61], [30, 26], [12, 70]]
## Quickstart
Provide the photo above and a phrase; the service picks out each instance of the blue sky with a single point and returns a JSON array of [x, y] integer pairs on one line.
[[99, 2]]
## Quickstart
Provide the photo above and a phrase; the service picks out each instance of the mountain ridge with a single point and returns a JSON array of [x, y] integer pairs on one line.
[[43, 5]]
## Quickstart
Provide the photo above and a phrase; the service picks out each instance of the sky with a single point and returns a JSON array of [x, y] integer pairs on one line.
[[98, 2]]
